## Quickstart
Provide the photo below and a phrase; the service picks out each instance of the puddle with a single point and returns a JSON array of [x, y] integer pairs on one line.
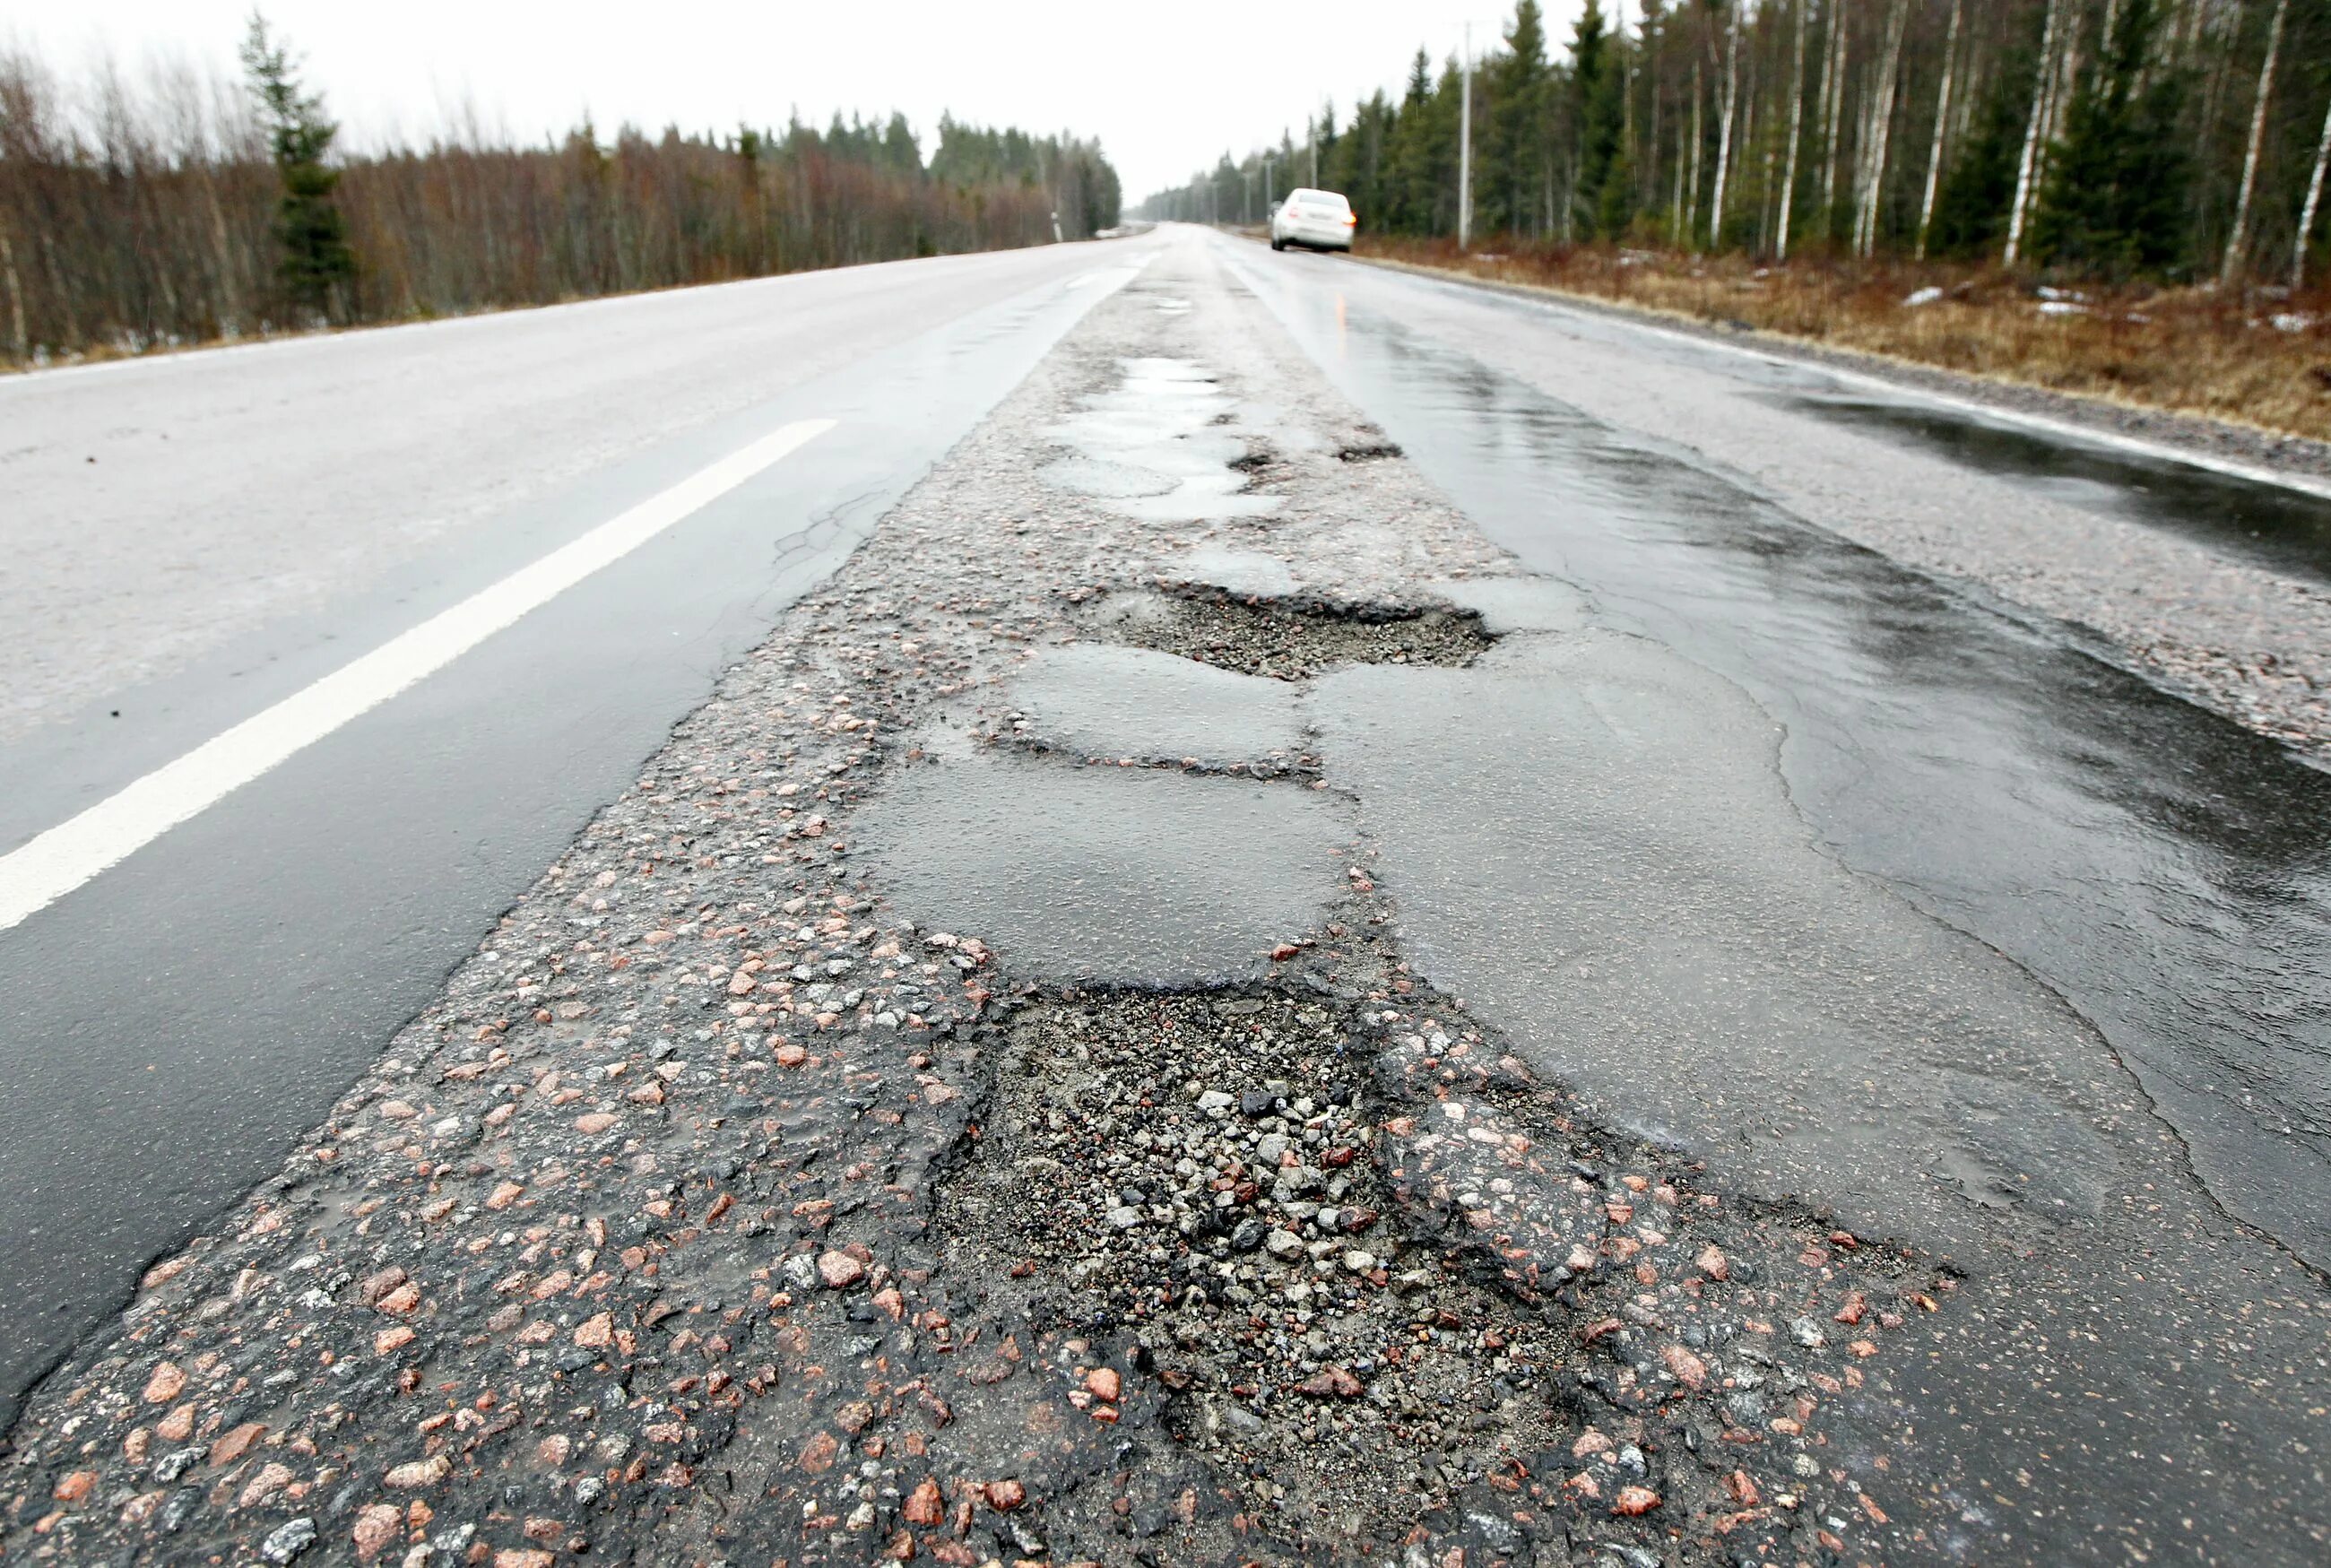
[[1152, 447], [2282, 531], [1288, 641]]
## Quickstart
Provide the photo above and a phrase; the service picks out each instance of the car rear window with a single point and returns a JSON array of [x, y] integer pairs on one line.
[[1320, 199]]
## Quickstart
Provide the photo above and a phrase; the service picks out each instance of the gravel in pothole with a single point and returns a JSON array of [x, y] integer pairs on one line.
[[1287, 640], [1200, 1172]]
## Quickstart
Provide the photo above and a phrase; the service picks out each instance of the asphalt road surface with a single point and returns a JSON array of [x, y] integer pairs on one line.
[[1892, 904], [193, 540]]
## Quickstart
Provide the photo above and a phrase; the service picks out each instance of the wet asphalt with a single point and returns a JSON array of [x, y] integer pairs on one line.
[[167, 1030], [2166, 872], [2283, 529], [1886, 896]]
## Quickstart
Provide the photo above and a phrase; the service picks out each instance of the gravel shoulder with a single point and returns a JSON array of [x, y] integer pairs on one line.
[[741, 1203]]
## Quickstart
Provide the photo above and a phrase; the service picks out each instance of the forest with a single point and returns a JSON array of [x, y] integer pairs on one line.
[[2180, 141], [182, 206]]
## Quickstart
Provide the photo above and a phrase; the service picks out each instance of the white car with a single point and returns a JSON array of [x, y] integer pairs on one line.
[[1322, 220]]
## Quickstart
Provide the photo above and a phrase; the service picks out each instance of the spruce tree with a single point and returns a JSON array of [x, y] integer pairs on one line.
[[1602, 202], [2114, 202], [317, 264], [1511, 164], [1417, 186]]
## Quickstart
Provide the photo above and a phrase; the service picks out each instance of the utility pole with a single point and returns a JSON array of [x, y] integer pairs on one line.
[[1465, 144], [1311, 138]]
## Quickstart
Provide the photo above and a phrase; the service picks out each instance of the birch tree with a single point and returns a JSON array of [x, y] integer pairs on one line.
[[2237, 239], [1879, 136], [2306, 211], [1832, 112], [2027, 169], [1942, 127], [1796, 125], [1724, 130]]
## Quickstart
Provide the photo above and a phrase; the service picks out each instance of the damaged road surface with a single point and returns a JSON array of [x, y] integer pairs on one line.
[[1195, 1003]]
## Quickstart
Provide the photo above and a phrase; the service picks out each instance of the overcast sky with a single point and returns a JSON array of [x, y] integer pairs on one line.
[[1166, 86]]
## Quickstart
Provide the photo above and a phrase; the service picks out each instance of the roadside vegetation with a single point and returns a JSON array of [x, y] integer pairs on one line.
[[2114, 196], [180, 207]]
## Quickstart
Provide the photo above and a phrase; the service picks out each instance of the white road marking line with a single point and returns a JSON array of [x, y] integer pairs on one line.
[[53, 864]]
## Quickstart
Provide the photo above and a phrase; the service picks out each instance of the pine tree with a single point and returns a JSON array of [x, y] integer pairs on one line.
[[317, 264], [2114, 203]]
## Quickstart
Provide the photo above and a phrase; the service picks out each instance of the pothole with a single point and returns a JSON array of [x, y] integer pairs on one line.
[[1203, 1175], [1290, 640], [1320, 1217], [1369, 451]]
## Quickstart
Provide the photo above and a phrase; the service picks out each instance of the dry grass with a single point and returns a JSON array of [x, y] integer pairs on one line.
[[2263, 359]]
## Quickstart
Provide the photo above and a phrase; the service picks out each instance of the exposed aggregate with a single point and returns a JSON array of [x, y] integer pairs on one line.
[[1287, 640]]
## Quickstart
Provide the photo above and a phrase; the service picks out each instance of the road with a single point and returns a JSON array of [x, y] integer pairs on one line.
[[1795, 804], [194, 538]]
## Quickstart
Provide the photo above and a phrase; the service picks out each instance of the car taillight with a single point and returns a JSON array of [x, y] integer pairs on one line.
[[1350, 219]]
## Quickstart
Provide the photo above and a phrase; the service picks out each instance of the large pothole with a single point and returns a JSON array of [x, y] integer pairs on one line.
[[1205, 1176], [1394, 1290]]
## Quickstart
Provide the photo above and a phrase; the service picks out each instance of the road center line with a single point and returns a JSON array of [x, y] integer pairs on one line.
[[64, 857]]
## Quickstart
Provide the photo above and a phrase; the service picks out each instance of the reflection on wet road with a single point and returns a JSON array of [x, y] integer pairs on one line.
[[2166, 872], [1588, 829], [2280, 528], [1706, 859]]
